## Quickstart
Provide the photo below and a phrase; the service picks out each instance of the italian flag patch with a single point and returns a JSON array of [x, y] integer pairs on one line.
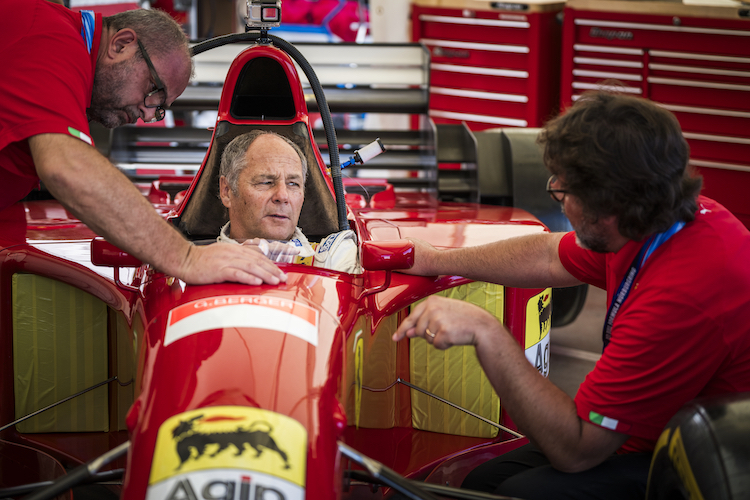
[[609, 423], [76, 133]]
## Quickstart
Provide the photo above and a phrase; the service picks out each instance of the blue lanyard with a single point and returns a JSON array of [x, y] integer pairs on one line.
[[87, 28], [654, 242]]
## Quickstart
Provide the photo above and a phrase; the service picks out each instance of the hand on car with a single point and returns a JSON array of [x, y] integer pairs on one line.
[[447, 322], [221, 262]]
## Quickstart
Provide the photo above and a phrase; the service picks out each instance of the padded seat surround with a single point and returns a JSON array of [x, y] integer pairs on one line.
[[263, 92]]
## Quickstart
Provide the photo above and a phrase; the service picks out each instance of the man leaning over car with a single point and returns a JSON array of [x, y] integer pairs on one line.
[[61, 70], [262, 186], [676, 267]]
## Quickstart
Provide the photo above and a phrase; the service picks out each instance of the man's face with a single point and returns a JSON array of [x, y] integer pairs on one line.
[[120, 87], [270, 192]]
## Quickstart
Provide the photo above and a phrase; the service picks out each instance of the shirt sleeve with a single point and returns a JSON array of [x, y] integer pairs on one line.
[[585, 265]]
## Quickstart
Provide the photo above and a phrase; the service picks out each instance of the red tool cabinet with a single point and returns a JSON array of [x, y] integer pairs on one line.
[[693, 60], [493, 64]]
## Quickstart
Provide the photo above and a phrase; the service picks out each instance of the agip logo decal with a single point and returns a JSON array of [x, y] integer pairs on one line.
[[538, 323], [228, 452]]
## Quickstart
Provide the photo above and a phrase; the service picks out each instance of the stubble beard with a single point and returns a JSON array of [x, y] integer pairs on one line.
[[106, 107], [590, 237]]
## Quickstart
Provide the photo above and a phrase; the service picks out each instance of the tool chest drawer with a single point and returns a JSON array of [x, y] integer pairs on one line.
[[492, 63], [693, 60]]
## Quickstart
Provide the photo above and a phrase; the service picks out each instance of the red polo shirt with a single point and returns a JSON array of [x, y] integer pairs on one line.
[[682, 332], [48, 77]]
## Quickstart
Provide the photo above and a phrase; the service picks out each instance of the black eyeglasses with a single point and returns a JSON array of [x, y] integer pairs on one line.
[[556, 194], [158, 97]]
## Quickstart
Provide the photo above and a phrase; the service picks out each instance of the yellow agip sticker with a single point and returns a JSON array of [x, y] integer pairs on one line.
[[231, 437], [538, 323]]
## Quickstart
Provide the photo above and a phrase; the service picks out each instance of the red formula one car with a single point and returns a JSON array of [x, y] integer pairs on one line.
[[239, 392], [171, 391]]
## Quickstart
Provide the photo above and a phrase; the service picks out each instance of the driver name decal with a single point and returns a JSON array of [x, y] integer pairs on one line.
[[243, 311]]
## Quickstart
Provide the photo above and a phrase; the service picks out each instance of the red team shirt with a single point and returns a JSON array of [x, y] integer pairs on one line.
[[46, 88], [683, 331]]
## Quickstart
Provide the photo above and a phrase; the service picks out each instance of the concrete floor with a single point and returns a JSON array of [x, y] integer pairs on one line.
[[576, 347]]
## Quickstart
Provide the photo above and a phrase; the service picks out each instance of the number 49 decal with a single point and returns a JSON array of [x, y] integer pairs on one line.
[[538, 322]]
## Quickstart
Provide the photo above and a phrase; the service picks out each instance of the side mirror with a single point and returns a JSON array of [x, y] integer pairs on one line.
[[104, 253], [387, 255]]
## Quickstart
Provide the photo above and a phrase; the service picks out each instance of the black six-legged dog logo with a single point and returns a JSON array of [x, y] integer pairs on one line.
[[257, 435], [545, 314]]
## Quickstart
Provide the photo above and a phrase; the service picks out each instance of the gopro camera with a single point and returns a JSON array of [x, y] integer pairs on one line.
[[263, 14]]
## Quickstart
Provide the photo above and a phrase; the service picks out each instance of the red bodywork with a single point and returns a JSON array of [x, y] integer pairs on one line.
[[192, 368]]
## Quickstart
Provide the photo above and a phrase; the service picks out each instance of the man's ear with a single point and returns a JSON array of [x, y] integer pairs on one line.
[[122, 45], [224, 192]]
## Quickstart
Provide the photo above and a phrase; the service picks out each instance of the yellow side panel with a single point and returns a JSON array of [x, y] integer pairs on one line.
[[455, 375], [59, 348]]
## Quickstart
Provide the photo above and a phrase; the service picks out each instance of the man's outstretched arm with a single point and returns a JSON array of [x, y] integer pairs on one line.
[[541, 410], [90, 187], [524, 262]]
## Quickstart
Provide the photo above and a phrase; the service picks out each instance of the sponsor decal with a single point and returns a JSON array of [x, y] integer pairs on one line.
[[509, 6], [328, 243], [243, 311], [538, 324], [228, 437], [596, 32], [450, 53], [77, 133], [225, 484]]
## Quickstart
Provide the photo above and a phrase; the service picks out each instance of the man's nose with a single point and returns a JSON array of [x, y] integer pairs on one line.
[[148, 115], [281, 194]]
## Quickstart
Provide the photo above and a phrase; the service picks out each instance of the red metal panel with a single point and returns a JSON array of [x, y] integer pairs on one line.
[[652, 37], [712, 124], [479, 58], [472, 33], [697, 66], [544, 59], [492, 39], [486, 83], [702, 97], [720, 151], [503, 109], [566, 63]]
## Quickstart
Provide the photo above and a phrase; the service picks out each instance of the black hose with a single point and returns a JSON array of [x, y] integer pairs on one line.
[[62, 484], [81, 474], [325, 112], [325, 115], [199, 48]]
